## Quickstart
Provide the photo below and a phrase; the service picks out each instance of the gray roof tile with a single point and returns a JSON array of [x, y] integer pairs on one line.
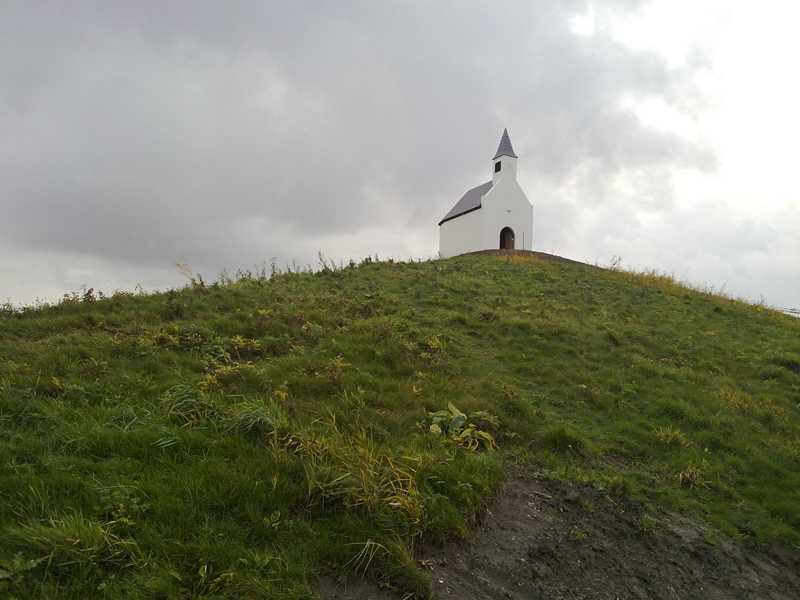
[[469, 202], [505, 148]]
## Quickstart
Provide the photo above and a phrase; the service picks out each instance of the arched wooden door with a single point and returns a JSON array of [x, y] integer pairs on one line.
[[507, 239]]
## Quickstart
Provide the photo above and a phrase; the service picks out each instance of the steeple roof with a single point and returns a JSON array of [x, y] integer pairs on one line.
[[505, 148]]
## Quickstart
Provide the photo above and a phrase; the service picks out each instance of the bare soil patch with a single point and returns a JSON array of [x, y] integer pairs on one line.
[[548, 539], [553, 540], [531, 253]]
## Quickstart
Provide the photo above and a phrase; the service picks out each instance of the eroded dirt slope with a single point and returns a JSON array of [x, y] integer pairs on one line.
[[551, 540]]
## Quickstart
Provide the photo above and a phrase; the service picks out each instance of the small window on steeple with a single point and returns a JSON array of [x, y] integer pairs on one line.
[[497, 167]]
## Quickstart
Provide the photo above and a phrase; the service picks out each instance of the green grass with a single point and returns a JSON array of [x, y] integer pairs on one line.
[[235, 440]]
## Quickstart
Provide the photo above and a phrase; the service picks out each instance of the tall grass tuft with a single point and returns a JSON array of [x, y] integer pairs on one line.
[[76, 542], [355, 472], [263, 416]]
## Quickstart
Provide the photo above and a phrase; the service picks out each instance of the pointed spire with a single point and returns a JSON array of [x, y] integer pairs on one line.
[[505, 148]]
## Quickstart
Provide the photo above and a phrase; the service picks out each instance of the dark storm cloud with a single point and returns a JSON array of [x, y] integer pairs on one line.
[[223, 134]]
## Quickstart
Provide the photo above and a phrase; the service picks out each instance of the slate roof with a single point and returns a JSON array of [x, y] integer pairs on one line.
[[469, 202], [505, 148]]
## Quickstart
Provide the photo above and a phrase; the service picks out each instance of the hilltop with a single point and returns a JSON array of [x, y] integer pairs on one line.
[[243, 438]]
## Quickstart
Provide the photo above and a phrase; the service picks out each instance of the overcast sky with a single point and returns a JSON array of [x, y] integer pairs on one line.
[[134, 135]]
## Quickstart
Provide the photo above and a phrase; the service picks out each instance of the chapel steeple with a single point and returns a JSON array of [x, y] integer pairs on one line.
[[505, 161]]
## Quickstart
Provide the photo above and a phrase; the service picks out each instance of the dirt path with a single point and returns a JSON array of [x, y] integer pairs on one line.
[[551, 540]]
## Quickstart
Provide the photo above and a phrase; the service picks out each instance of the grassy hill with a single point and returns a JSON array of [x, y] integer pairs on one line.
[[237, 439]]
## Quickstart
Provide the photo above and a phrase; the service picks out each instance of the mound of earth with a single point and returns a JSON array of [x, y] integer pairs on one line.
[[553, 540]]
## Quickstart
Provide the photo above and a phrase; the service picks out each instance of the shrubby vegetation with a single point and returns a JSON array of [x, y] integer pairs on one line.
[[237, 439]]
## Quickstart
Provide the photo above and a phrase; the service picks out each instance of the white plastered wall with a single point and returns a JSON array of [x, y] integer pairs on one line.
[[461, 234], [506, 205]]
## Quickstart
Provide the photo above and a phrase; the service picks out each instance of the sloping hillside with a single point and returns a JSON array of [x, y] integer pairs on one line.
[[240, 439]]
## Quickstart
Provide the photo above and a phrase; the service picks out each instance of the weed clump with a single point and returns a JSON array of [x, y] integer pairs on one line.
[[468, 432], [647, 524], [234, 377], [245, 348], [672, 436], [577, 534], [690, 477]]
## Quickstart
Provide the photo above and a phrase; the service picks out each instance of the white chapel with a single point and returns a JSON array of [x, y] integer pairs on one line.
[[494, 215]]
